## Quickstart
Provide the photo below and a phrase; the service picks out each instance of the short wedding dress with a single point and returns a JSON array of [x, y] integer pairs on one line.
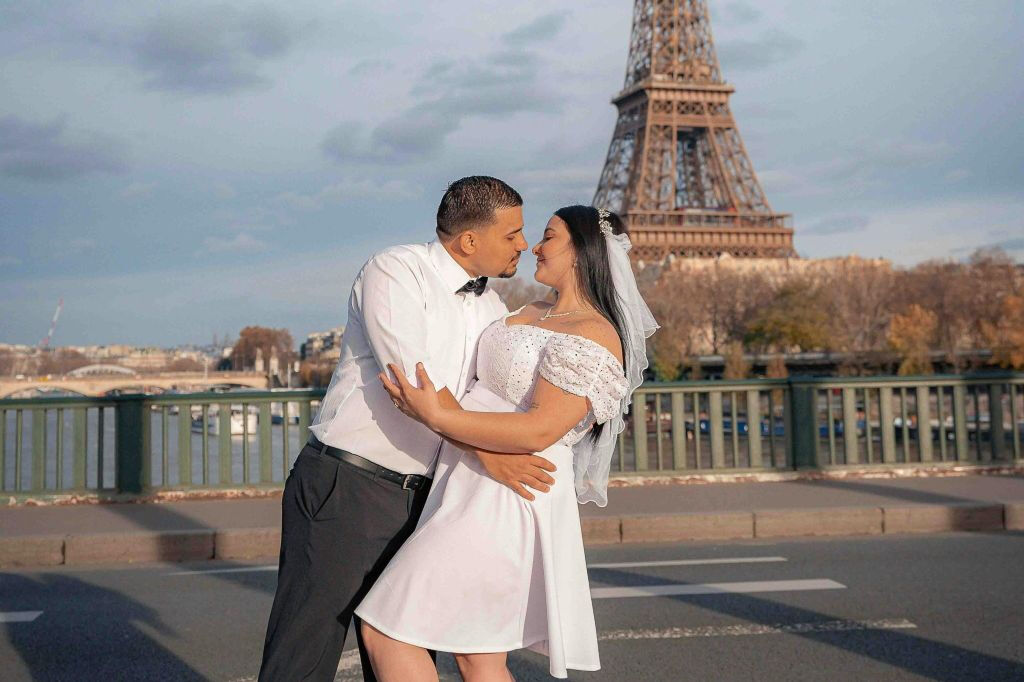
[[486, 570]]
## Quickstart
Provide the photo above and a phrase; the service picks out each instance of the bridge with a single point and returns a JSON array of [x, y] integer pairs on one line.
[[100, 380]]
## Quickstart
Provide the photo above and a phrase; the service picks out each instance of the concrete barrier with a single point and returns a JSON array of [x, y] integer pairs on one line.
[[264, 543], [107, 548], [247, 543], [778, 523], [1014, 515], [601, 530], [31, 550], [942, 518], [679, 527]]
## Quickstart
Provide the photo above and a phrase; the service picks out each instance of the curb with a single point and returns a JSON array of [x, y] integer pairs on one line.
[[631, 480], [264, 543]]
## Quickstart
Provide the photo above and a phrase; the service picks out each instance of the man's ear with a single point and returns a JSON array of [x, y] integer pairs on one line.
[[469, 242]]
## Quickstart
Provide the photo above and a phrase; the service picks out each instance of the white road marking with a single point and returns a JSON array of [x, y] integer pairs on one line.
[[714, 588], [19, 616], [693, 562], [630, 564], [246, 569], [744, 630]]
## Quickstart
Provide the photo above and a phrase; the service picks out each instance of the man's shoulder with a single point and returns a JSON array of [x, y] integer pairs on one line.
[[411, 256], [404, 252]]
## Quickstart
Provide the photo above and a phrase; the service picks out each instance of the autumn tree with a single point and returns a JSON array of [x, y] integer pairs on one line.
[[795, 319], [266, 339], [736, 365], [1005, 335], [184, 365], [61, 361], [671, 301], [910, 335]]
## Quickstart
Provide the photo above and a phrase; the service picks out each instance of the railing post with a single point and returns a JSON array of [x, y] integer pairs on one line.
[[963, 452], [133, 445], [639, 414], [804, 439], [996, 435]]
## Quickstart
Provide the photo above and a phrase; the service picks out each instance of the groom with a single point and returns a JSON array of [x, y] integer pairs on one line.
[[357, 488]]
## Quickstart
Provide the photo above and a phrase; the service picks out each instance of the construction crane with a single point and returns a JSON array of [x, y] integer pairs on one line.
[[45, 343]]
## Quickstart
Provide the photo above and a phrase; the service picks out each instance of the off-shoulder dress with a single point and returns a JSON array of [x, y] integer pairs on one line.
[[485, 569]]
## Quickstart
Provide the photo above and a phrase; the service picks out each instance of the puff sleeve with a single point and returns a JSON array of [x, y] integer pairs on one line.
[[587, 369]]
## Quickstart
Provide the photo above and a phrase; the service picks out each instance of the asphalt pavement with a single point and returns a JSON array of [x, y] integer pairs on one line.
[[930, 607]]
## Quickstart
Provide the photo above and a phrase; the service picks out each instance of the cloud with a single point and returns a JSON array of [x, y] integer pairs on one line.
[[251, 218], [370, 67], [347, 190], [856, 168], [838, 224], [1015, 244], [566, 185], [213, 49], [240, 243], [69, 248], [223, 190], [49, 152], [738, 13], [749, 55], [501, 84], [138, 189], [541, 29]]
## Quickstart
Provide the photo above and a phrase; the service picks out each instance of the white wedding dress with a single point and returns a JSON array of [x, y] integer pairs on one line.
[[486, 570]]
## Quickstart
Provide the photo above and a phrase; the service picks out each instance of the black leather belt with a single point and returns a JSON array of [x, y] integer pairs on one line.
[[405, 481]]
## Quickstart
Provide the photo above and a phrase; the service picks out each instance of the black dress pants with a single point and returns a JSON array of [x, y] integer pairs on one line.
[[340, 526]]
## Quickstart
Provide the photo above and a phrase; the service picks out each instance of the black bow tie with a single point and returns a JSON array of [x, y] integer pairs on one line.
[[473, 286]]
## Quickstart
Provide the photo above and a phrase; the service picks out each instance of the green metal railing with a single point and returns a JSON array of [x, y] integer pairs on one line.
[[140, 444]]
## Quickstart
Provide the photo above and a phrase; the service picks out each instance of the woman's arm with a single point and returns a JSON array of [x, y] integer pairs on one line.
[[517, 471], [552, 414]]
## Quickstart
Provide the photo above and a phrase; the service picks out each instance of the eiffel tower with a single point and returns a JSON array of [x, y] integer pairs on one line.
[[677, 171]]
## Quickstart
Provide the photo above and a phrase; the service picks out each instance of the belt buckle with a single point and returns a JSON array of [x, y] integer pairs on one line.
[[407, 480]]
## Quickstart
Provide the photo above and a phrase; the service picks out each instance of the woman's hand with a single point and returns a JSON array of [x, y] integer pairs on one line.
[[422, 404]]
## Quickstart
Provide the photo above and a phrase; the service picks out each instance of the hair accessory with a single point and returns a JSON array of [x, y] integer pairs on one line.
[[602, 222]]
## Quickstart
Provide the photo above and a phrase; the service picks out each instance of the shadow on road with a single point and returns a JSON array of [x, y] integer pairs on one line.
[[898, 648], [53, 647], [894, 492]]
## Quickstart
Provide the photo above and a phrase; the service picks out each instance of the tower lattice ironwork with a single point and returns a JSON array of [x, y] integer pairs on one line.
[[677, 170]]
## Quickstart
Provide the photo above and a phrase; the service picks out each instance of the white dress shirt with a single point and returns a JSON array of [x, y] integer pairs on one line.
[[403, 310]]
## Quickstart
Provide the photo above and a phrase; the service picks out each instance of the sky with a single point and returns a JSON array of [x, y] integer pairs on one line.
[[176, 171]]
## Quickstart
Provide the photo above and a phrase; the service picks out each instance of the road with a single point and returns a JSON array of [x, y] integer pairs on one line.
[[942, 607]]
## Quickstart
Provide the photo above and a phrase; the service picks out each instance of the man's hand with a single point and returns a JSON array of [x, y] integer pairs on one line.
[[518, 471], [514, 471]]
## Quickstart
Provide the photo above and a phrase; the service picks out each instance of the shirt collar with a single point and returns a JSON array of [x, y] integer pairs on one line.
[[452, 274]]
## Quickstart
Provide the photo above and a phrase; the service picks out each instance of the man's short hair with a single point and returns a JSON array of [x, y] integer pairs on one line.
[[471, 202]]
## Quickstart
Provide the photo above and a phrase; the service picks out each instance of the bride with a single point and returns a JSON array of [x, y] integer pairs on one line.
[[486, 571]]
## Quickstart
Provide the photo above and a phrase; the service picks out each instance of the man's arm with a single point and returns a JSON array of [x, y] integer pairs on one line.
[[517, 471], [394, 314]]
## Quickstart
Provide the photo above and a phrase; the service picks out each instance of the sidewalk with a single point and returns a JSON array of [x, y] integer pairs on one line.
[[245, 529]]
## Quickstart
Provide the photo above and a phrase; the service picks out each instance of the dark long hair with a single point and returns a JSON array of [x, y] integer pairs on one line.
[[593, 272]]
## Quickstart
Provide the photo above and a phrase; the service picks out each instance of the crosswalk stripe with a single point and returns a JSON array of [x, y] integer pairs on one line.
[[692, 562], [714, 588], [746, 630], [19, 616]]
